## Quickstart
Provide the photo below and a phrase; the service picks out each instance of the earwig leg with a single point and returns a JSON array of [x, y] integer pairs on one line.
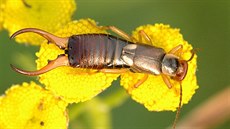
[[166, 80], [178, 49], [119, 32], [87, 72], [114, 71], [141, 81], [59, 41], [60, 61], [146, 37]]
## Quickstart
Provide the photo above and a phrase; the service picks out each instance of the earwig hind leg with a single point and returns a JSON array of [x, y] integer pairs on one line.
[[166, 80], [145, 36], [141, 81], [60, 61], [87, 72], [59, 41], [113, 71], [119, 71], [119, 32]]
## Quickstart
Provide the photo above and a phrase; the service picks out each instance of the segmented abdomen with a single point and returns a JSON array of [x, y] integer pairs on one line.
[[95, 51]]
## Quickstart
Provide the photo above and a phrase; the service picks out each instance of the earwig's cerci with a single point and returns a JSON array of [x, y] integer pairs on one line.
[[110, 54]]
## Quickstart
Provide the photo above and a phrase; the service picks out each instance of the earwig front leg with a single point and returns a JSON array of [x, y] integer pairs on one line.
[[166, 80], [113, 71], [141, 81], [146, 37], [176, 50]]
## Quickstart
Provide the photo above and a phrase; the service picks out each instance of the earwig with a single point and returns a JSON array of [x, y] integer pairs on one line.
[[110, 54]]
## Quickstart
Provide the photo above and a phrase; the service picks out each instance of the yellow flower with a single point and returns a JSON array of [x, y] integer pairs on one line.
[[153, 93], [28, 106], [47, 15], [73, 84]]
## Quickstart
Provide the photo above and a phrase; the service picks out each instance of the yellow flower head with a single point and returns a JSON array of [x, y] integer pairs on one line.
[[48, 15], [28, 106], [73, 84], [153, 93]]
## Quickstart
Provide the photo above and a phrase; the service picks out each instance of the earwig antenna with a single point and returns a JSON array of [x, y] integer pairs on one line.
[[193, 53], [179, 108], [60, 61], [59, 41]]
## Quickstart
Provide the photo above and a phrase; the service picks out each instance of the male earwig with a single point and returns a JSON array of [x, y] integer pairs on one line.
[[110, 54]]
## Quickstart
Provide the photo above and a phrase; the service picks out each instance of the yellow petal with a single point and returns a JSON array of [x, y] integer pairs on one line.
[[28, 106], [73, 84], [47, 15], [153, 93], [2, 6]]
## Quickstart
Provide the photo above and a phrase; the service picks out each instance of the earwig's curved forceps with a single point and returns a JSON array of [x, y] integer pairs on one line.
[[61, 60], [59, 41]]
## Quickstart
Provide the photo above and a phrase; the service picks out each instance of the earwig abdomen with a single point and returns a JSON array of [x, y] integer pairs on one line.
[[95, 51]]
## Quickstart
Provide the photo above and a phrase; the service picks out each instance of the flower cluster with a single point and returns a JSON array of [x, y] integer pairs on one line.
[[30, 106], [47, 15], [37, 106]]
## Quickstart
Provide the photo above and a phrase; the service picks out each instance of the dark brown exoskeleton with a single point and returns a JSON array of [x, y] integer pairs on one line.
[[110, 54]]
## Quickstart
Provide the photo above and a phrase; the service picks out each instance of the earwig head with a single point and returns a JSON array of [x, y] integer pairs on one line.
[[174, 67], [170, 65], [59, 41], [62, 60]]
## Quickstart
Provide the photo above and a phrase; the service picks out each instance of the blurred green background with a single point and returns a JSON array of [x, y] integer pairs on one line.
[[203, 23]]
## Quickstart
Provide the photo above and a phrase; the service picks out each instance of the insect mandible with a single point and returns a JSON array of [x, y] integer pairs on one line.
[[110, 54]]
